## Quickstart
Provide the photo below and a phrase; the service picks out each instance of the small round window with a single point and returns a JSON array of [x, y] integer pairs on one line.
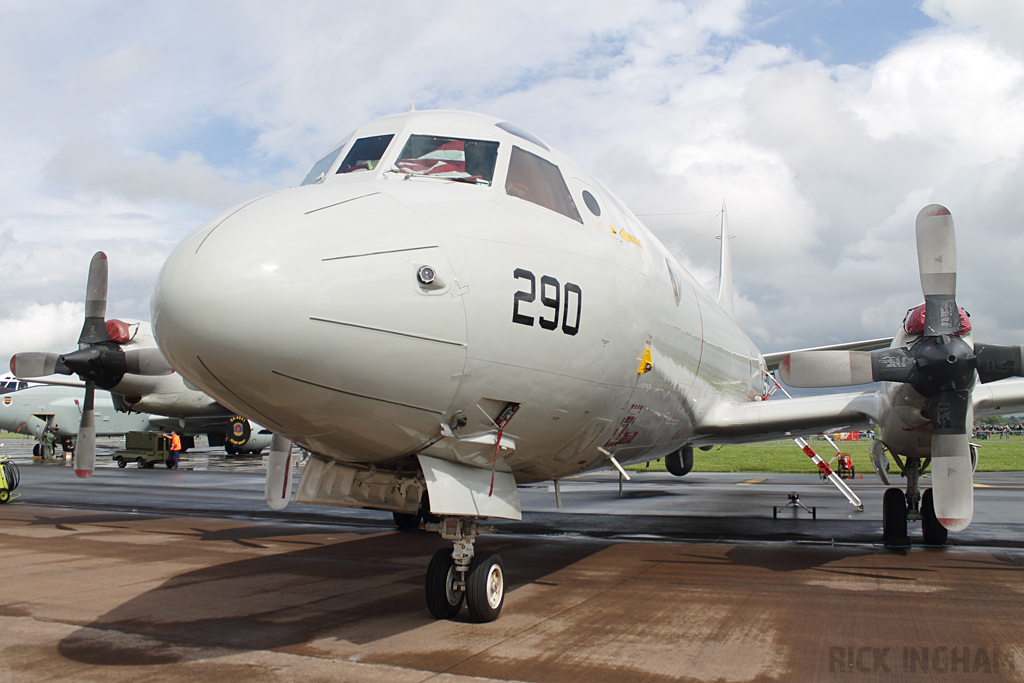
[[591, 203]]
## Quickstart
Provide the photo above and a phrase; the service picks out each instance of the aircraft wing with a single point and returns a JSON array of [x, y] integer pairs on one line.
[[56, 380], [999, 398], [203, 424], [787, 418], [772, 360]]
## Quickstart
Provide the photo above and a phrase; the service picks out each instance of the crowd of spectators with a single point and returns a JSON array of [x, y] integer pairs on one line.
[[1002, 432]]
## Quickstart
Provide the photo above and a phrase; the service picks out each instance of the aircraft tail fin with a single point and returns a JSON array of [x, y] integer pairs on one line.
[[725, 269]]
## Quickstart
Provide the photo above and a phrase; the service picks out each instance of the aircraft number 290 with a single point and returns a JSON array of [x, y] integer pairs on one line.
[[551, 295]]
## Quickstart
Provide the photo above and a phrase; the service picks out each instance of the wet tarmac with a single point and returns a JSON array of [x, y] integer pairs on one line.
[[173, 575]]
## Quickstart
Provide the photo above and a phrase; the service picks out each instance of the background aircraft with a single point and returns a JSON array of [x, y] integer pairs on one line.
[[122, 357], [458, 309], [11, 383], [33, 410]]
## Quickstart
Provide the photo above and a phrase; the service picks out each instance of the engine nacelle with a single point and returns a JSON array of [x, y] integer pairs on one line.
[[244, 436]]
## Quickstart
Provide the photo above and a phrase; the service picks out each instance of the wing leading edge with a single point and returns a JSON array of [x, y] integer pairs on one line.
[[731, 423], [787, 418]]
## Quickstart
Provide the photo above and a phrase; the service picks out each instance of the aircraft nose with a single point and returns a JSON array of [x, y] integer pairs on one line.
[[323, 313]]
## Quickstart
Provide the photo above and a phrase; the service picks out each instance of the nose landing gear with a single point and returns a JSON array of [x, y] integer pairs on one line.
[[462, 575]]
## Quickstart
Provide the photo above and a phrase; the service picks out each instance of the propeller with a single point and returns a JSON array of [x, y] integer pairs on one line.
[[99, 361], [940, 365]]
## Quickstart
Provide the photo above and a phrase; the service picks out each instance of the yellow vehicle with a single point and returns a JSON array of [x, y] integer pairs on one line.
[[9, 479]]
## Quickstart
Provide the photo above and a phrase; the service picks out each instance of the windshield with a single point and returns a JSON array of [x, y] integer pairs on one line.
[[450, 158], [365, 153]]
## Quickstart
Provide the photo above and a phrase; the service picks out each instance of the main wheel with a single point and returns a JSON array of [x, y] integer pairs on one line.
[[443, 600], [894, 516], [680, 462], [485, 587], [121, 463], [934, 532], [36, 451]]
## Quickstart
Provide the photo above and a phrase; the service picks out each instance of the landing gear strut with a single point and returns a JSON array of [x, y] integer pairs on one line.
[[461, 574]]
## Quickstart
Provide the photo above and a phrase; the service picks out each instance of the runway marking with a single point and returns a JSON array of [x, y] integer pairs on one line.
[[748, 482]]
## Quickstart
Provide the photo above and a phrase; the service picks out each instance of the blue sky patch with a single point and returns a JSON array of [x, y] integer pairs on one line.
[[837, 31]]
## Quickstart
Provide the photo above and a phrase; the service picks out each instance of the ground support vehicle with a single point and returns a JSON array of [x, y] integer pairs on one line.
[[145, 449]]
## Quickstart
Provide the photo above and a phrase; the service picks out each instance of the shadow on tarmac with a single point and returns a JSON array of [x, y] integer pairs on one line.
[[362, 589]]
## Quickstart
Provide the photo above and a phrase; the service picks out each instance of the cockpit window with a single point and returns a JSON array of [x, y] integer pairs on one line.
[[365, 154], [539, 181], [321, 167], [449, 158]]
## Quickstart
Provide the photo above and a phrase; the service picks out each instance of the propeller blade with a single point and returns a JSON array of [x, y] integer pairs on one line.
[[278, 490], [952, 472], [95, 328], [85, 445], [146, 362], [826, 368], [952, 480], [936, 260], [948, 412], [33, 364], [845, 368], [996, 362]]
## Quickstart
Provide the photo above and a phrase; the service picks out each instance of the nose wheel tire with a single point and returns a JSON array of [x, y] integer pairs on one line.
[[485, 587], [934, 532], [443, 599], [894, 517]]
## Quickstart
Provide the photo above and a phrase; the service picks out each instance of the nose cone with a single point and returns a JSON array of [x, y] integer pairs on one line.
[[304, 311]]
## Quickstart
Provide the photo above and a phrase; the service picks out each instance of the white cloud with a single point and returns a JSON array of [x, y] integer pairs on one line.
[[109, 143], [41, 327], [1002, 20], [84, 167]]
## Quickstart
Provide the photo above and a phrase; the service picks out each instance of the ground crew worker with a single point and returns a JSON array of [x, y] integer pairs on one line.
[[175, 450], [48, 443]]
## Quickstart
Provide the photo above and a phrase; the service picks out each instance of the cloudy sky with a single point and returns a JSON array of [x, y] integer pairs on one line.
[[824, 124]]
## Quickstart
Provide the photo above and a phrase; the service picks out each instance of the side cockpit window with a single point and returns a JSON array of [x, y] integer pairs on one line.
[[449, 158], [539, 181], [320, 168], [365, 154]]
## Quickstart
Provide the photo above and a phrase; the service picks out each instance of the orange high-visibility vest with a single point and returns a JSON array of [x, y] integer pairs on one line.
[[175, 442]]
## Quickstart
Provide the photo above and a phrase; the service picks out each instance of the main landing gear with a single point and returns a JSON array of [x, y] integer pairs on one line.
[[898, 507], [462, 575]]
